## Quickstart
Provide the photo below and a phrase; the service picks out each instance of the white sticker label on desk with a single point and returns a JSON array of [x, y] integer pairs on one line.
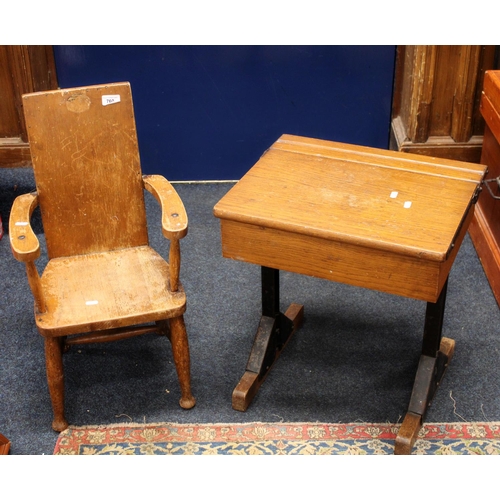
[[394, 194], [407, 204], [91, 302], [110, 99]]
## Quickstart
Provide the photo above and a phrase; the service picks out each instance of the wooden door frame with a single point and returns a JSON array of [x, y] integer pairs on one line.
[[437, 89], [23, 69]]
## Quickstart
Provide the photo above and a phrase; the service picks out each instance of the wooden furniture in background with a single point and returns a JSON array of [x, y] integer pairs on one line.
[[435, 108], [102, 277], [378, 219], [4, 445], [485, 227], [23, 69]]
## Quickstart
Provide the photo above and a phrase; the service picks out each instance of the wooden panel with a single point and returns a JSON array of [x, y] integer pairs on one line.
[[487, 249], [87, 169], [338, 261], [490, 207], [42, 67], [485, 228], [23, 69], [331, 260], [464, 95], [420, 97], [491, 88], [14, 153], [10, 125], [436, 100], [490, 102], [442, 93]]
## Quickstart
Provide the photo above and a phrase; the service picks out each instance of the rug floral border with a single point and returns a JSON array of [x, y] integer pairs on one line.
[[477, 438]]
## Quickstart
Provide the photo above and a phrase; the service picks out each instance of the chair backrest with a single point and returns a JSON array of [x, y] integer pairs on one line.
[[85, 155]]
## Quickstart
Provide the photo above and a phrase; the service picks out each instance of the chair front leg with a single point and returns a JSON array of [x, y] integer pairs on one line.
[[55, 380], [180, 350]]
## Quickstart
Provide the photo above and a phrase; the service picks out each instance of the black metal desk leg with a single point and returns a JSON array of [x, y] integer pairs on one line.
[[273, 333], [437, 352]]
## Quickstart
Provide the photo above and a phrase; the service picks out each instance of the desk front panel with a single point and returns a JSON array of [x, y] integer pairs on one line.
[[337, 261]]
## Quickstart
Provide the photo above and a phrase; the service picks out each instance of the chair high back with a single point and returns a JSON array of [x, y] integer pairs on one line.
[[87, 169]]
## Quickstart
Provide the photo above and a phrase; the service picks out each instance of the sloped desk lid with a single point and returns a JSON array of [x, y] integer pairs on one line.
[[398, 202]]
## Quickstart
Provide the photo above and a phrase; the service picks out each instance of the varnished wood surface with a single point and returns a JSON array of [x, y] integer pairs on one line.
[[84, 151], [343, 193], [14, 153], [174, 217], [180, 349], [485, 228], [23, 241], [100, 290], [437, 90], [334, 261], [490, 102], [325, 209], [4, 445], [102, 281], [23, 69], [487, 204]]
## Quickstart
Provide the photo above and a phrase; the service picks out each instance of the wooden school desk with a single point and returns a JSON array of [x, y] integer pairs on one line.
[[367, 217]]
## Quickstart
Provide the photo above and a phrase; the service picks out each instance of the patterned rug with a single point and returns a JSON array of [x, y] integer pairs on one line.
[[276, 439]]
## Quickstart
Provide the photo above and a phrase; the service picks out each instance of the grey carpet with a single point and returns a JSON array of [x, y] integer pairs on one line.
[[354, 359]]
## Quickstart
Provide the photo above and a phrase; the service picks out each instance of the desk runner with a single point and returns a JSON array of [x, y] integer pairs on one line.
[[473, 438]]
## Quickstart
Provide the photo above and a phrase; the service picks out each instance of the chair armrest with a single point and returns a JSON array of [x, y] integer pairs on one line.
[[23, 241], [174, 217]]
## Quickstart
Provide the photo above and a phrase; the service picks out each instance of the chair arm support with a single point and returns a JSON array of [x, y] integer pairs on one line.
[[174, 217], [23, 241], [174, 220]]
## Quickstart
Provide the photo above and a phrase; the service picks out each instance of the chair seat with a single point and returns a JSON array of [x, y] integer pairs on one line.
[[107, 290]]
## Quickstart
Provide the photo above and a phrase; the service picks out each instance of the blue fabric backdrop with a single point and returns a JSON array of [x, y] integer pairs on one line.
[[208, 112]]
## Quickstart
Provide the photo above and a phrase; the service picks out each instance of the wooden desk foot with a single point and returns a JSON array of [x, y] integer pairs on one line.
[[430, 372], [407, 434], [447, 348], [295, 313], [245, 391], [272, 336]]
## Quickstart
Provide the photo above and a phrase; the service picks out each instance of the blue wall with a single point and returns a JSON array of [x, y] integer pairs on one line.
[[209, 112]]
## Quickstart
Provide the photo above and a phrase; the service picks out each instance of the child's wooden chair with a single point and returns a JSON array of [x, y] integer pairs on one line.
[[103, 281]]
